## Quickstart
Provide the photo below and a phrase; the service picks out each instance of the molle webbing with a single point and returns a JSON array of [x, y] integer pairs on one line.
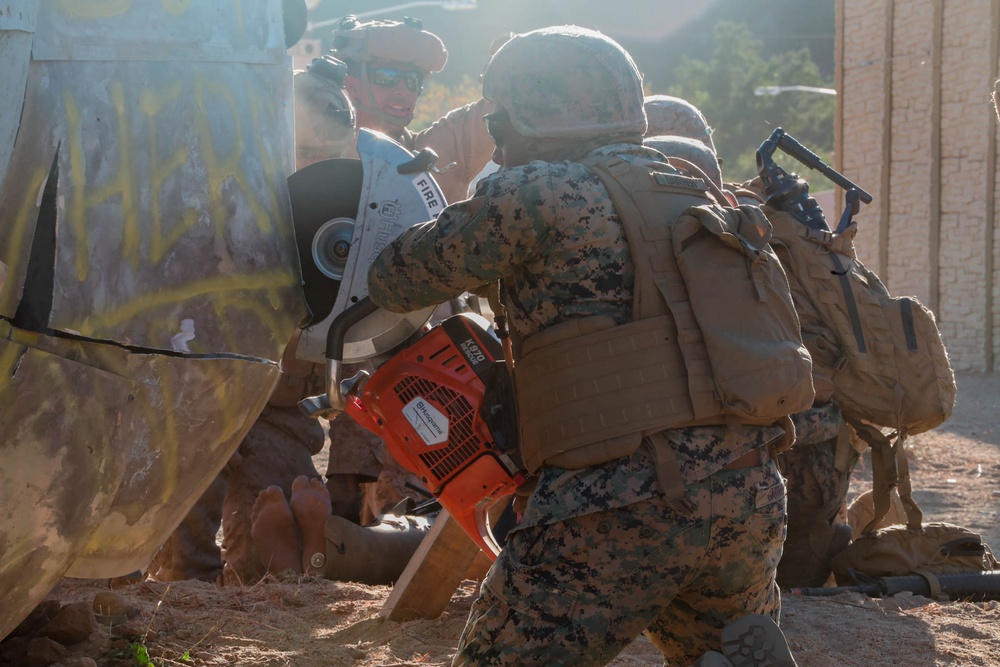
[[658, 281], [588, 391], [712, 270], [587, 396]]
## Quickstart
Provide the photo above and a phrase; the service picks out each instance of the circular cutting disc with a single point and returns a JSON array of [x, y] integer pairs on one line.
[[324, 198]]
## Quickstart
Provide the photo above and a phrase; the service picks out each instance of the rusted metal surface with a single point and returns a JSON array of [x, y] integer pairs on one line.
[[148, 275]]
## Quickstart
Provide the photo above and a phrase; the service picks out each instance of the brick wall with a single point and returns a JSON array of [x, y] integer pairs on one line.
[[916, 129]]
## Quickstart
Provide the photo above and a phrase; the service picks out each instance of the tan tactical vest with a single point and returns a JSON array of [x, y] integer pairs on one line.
[[714, 337]]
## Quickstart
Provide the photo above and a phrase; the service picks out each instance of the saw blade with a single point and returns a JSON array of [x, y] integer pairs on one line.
[[324, 198]]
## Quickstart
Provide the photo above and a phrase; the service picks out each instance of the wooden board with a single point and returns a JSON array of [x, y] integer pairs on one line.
[[438, 566]]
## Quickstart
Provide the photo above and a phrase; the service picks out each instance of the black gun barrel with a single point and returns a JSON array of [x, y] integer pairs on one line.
[[793, 148], [957, 586]]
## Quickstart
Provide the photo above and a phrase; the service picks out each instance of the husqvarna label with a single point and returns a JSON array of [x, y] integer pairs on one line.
[[429, 423]]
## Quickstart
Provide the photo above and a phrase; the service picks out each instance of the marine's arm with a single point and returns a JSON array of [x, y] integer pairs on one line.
[[471, 243], [460, 137]]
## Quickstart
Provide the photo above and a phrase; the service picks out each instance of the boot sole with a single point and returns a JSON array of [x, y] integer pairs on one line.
[[712, 659], [756, 640]]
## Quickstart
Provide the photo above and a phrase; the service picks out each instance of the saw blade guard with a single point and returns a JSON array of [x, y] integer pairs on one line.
[[345, 211]]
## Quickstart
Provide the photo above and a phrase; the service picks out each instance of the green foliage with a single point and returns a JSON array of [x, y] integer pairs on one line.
[[723, 88], [141, 655], [438, 99]]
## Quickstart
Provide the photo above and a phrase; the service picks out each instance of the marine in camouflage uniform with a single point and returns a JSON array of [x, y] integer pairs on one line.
[[598, 555], [375, 74], [818, 466], [385, 64], [817, 469]]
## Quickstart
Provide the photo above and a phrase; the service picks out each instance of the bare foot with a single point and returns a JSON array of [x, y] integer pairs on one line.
[[311, 506], [275, 536]]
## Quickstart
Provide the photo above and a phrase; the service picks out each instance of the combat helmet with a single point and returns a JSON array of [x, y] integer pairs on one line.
[[566, 82], [405, 42], [691, 150], [675, 116]]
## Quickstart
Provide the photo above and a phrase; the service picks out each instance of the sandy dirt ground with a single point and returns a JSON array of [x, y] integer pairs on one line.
[[309, 622]]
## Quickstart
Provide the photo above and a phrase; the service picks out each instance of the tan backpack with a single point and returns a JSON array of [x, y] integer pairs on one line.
[[714, 338], [882, 356], [712, 268], [936, 548]]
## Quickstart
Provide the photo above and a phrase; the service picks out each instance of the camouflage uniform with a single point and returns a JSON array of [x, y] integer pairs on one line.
[[819, 465], [598, 555]]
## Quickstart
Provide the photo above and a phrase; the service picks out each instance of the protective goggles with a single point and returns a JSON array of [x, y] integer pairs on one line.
[[496, 125], [389, 77]]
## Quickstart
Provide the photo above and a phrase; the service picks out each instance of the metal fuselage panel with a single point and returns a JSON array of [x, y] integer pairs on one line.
[[170, 281], [172, 203]]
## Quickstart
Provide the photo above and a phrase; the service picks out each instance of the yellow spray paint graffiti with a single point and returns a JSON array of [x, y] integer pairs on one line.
[[97, 9], [151, 104], [147, 237]]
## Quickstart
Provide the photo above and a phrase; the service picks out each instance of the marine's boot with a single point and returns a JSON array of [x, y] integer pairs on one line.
[[805, 563], [712, 659], [756, 640], [191, 551], [375, 554]]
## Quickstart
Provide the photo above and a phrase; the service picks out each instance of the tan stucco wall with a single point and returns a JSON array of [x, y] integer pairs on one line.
[[917, 130]]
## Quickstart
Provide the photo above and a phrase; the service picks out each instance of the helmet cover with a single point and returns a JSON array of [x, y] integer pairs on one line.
[[677, 117], [692, 150], [566, 82], [399, 42]]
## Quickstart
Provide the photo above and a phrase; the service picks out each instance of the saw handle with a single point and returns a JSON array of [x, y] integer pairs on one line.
[[337, 389]]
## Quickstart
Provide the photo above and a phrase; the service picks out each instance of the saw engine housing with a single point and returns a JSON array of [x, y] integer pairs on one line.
[[427, 403]]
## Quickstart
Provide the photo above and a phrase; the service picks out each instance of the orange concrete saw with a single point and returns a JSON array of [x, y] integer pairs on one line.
[[431, 404], [428, 398]]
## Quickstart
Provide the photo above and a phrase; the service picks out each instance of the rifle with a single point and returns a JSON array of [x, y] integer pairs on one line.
[[788, 192], [969, 586]]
